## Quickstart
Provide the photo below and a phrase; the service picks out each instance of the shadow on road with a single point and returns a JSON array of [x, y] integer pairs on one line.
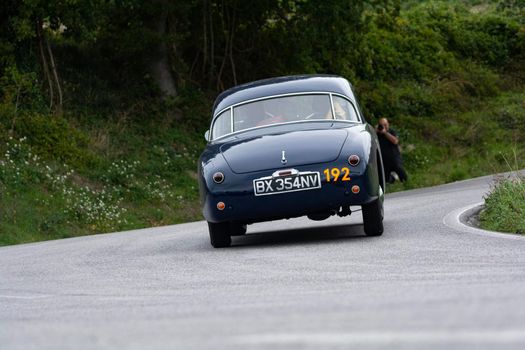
[[312, 235]]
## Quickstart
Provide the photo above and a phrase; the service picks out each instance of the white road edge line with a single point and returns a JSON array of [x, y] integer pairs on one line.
[[386, 337], [24, 296], [453, 221]]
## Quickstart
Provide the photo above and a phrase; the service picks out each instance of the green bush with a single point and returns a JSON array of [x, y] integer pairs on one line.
[[435, 58], [505, 206], [490, 39], [402, 51], [21, 90], [52, 137], [510, 113]]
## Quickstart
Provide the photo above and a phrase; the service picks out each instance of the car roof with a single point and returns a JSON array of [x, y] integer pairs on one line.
[[283, 85]]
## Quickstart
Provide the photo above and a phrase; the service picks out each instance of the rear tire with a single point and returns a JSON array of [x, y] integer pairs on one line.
[[373, 218], [220, 234]]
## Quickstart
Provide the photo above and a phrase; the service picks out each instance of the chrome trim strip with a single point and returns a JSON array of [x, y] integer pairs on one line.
[[231, 120], [276, 173], [287, 123], [281, 95], [332, 106]]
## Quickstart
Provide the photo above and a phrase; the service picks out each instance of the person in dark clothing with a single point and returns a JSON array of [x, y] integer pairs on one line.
[[389, 143]]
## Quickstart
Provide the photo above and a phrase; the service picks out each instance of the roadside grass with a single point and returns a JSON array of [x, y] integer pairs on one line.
[[136, 176], [504, 209], [463, 145]]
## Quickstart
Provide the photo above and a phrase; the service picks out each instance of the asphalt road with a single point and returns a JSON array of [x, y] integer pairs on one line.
[[293, 284]]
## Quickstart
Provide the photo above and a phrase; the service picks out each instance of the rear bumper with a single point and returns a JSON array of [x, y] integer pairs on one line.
[[243, 206]]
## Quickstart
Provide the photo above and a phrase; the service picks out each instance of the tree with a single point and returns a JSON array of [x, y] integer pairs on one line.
[[160, 65]]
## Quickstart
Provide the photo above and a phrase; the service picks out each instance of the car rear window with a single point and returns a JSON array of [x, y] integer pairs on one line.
[[283, 109]]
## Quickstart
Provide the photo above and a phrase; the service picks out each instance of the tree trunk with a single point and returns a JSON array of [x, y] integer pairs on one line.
[[45, 67], [204, 38], [55, 75], [211, 73], [160, 68], [232, 61]]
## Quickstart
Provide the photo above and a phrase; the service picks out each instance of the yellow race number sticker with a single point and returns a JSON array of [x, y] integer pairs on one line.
[[336, 174]]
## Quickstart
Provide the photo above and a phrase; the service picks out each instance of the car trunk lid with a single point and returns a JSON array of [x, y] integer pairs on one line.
[[300, 148]]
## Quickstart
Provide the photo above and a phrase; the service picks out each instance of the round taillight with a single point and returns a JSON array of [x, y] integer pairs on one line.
[[355, 189], [218, 177], [353, 160], [221, 205]]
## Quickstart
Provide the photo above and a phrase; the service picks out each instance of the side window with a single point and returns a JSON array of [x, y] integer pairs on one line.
[[344, 110], [222, 124]]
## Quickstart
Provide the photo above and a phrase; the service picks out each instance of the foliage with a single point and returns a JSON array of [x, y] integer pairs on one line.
[[20, 90], [21, 169], [504, 209], [456, 146], [52, 200]]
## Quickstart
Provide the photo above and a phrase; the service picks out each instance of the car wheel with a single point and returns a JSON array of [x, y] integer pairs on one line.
[[373, 218], [220, 234]]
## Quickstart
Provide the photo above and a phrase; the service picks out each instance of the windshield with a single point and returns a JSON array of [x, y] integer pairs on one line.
[[284, 109]]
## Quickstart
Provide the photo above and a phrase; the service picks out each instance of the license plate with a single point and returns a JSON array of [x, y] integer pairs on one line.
[[289, 183]]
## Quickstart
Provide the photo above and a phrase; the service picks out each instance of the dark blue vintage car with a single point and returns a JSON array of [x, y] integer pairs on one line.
[[287, 147]]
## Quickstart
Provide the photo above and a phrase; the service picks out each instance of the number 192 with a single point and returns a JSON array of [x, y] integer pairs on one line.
[[336, 174]]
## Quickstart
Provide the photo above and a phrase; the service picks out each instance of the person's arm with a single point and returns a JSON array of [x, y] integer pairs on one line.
[[391, 137]]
